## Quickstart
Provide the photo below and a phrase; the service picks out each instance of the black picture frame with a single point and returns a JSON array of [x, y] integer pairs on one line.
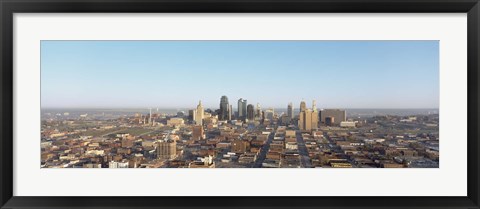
[[9, 7]]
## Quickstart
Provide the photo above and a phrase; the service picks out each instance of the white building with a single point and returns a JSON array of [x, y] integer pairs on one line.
[[175, 122], [114, 164], [348, 124], [291, 146]]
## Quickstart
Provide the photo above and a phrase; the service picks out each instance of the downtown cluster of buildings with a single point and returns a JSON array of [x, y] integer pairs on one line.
[[307, 119], [246, 138]]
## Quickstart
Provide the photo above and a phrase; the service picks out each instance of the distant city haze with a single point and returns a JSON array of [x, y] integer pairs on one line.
[[177, 74]]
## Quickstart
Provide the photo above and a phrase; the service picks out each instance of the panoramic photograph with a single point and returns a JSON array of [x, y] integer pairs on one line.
[[239, 104]]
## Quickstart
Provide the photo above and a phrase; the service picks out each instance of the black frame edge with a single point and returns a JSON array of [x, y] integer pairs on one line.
[[6, 96], [473, 21], [241, 6], [9, 7]]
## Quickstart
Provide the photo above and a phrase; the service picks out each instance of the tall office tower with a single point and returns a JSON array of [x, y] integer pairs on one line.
[[308, 119], [290, 111], [198, 133], [224, 109], [269, 114], [167, 149], [242, 108], [250, 112], [192, 115], [230, 113], [303, 106], [336, 116], [314, 106], [315, 120], [259, 111], [150, 117], [305, 120], [199, 114]]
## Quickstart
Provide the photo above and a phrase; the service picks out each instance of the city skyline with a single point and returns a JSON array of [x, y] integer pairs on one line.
[[337, 74], [249, 138]]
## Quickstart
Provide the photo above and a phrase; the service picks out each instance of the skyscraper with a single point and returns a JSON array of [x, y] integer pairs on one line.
[[269, 114], [315, 120], [303, 106], [199, 114], [250, 112], [305, 120], [224, 109], [290, 111], [308, 120], [242, 108], [150, 117], [192, 114], [258, 113]]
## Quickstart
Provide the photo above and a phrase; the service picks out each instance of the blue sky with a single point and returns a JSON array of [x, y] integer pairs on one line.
[[176, 74]]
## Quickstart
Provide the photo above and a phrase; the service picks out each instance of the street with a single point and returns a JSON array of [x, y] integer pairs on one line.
[[302, 151], [263, 152]]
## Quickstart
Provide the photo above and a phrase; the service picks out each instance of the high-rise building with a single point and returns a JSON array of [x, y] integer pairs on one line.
[[225, 109], [303, 106], [242, 108], [150, 117], [230, 112], [305, 120], [250, 112], [336, 116], [315, 120], [199, 114], [192, 114], [290, 111], [308, 118], [258, 113], [197, 133], [269, 114], [167, 149]]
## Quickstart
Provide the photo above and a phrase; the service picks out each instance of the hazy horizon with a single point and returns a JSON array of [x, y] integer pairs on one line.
[[177, 74]]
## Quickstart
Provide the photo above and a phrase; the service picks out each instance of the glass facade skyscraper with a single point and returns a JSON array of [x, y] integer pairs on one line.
[[224, 109]]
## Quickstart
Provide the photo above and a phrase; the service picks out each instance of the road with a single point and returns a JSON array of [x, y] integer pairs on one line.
[[113, 132], [303, 151], [155, 130], [263, 152]]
